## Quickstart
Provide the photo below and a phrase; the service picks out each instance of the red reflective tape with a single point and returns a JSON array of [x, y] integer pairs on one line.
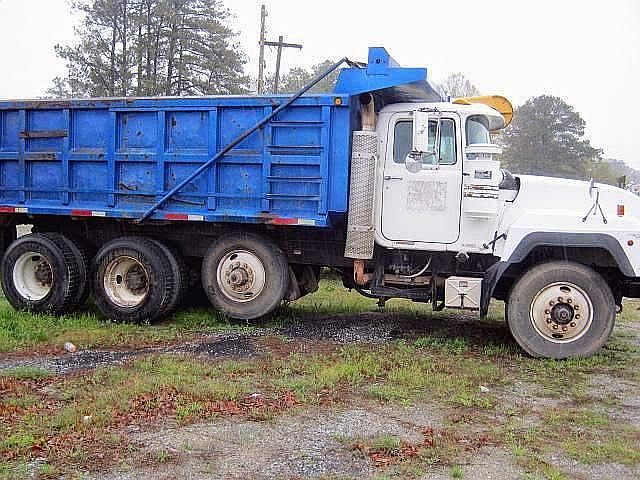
[[176, 216], [285, 221], [7, 209], [80, 213]]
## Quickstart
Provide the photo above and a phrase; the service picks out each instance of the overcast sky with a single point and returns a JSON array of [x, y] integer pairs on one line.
[[583, 51]]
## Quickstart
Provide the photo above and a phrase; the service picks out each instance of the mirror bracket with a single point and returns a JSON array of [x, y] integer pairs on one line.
[[421, 140]]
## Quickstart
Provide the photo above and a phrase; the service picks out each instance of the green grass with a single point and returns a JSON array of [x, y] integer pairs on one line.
[[21, 331], [17, 442], [395, 372], [457, 472], [386, 443], [25, 373]]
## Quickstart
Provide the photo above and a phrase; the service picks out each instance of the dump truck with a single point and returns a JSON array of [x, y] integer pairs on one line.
[[137, 202]]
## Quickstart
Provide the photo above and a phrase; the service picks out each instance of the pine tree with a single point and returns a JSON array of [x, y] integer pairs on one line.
[[152, 47]]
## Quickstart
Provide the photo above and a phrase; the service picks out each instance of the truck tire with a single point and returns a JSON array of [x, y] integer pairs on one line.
[[245, 276], [561, 309], [132, 280], [180, 274], [82, 263], [40, 275]]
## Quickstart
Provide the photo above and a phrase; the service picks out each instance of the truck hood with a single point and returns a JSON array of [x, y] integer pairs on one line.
[[548, 204]]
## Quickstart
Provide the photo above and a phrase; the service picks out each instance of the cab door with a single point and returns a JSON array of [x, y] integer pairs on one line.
[[423, 206]]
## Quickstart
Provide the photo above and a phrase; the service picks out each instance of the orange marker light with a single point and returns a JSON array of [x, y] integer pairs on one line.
[[337, 101], [620, 210]]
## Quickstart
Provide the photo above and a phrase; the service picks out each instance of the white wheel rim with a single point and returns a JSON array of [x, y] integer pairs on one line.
[[241, 276], [33, 276], [126, 282], [561, 312]]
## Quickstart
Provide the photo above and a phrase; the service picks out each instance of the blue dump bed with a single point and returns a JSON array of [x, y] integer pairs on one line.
[[119, 157], [116, 158]]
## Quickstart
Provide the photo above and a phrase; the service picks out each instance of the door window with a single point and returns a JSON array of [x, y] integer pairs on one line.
[[403, 138]]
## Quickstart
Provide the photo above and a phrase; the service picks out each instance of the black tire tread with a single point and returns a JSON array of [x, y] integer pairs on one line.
[[180, 274], [82, 263]]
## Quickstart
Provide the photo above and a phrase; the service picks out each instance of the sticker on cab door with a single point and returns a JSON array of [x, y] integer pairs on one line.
[[425, 196]]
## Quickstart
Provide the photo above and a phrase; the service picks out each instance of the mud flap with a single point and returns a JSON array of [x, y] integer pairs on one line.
[[303, 279]]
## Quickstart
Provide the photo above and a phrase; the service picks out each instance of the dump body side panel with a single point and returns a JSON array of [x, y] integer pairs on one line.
[[117, 157]]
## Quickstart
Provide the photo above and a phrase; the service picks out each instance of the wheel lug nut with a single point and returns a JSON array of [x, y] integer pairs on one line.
[[548, 319], [551, 303], [569, 300], [555, 327], [560, 299], [547, 311], [576, 307], [564, 329], [577, 316], [572, 324]]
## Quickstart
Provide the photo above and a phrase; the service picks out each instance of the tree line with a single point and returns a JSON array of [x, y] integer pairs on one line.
[[151, 47], [187, 47]]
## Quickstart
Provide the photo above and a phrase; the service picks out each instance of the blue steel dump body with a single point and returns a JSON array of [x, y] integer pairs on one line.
[[117, 157]]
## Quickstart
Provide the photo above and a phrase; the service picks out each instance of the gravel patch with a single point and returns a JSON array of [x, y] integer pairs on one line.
[[313, 444], [231, 345], [492, 463], [380, 327], [605, 471]]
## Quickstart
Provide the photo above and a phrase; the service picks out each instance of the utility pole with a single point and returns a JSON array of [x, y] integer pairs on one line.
[[280, 44], [263, 17]]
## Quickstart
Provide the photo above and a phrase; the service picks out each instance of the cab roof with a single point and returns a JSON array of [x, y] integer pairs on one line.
[[496, 120]]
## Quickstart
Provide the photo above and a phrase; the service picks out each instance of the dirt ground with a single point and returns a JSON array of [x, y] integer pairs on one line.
[[317, 441]]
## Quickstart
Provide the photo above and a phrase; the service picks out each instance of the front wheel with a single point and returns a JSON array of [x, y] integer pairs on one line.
[[560, 310], [245, 276]]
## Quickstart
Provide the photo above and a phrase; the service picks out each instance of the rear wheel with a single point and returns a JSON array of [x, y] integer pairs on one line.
[[245, 276], [132, 280], [82, 263], [40, 275], [560, 310], [180, 274]]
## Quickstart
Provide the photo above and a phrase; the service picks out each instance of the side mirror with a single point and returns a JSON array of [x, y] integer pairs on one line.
[[413, 162], [421, 132]]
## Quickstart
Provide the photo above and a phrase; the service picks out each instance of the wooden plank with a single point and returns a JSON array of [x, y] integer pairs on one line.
[[44, 134]]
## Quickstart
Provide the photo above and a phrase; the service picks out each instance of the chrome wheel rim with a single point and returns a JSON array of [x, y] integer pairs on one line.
[[126, 282], [241, 276], [561, 312], [33, 276]]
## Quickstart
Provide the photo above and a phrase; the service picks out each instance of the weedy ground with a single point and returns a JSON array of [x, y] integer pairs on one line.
[[467, 389]]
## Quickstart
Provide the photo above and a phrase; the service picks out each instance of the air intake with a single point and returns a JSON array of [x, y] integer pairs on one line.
[[360, 232]]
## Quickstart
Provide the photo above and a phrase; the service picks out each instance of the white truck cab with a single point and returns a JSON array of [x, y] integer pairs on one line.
[[449, 204], [453, 228]]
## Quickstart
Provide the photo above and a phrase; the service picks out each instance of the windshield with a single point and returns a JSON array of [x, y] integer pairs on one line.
[[477, 130]]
